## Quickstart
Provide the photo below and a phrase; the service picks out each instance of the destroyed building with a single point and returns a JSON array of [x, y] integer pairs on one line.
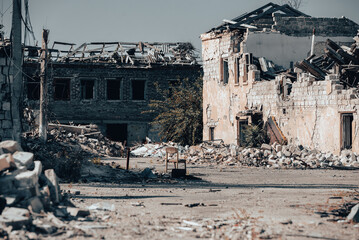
[[254, 70], [105, 83]]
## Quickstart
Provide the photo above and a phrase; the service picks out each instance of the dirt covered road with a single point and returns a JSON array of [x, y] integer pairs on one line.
[[221, 203]]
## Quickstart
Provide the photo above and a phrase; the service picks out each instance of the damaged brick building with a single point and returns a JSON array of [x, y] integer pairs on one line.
[[254, 70], [108, 83]]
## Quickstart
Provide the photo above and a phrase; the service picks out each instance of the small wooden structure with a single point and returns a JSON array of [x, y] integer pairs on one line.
[[174, 150]]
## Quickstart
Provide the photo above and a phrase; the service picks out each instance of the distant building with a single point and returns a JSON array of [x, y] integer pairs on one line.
[[109, 83]]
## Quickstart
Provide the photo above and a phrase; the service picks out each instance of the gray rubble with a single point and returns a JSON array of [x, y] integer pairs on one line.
[[271, 156], [31, 203]]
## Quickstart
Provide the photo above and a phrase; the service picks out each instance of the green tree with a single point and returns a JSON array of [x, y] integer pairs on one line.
[[179, 112]]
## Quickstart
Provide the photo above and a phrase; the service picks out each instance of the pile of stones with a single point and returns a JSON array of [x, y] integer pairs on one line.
[[32, 205], [89, 137], [275, 156]]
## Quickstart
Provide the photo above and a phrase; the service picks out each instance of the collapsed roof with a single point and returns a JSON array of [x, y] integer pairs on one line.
[[259, 18], [122, 54], [340, 60]]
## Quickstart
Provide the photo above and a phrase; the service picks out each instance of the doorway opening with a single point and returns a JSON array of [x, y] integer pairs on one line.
[[241, 126], [347, 131], [117, 132]]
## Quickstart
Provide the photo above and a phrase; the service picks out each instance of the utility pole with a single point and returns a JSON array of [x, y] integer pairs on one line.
[[16, 83], [43, 86]]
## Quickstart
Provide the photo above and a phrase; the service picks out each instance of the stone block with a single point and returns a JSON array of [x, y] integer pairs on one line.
[[53, 183], [6, 106], [23, 159], [15, 217], [354, 214], [10, 146], [29, 178], [6, 161], [6, 124]]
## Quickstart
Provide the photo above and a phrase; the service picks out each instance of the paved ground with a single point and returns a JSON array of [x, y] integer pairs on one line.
[[234, 203]]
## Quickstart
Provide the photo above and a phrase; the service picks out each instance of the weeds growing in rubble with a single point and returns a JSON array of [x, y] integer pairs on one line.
[[255, 135]]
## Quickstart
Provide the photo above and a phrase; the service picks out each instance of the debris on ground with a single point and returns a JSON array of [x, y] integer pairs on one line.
[[274, 156], [154, 149], [69, 148], [346, 210], [31, 203]]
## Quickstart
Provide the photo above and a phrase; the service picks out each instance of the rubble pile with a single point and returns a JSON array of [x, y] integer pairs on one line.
[[30, 199], [69, 146], [155, 149], [89, 137], [276, 156], [340, 60]]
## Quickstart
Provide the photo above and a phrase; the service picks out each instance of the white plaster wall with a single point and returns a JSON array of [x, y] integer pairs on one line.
[[282, 49]]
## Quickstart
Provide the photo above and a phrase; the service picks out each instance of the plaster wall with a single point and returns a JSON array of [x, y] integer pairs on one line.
[[311, 114], [221, 102], [283, 49]]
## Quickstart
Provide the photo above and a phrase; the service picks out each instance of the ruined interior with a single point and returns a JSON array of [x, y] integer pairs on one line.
[[280, 61]]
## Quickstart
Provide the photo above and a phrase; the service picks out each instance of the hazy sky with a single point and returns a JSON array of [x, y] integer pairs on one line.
[[79, 21]]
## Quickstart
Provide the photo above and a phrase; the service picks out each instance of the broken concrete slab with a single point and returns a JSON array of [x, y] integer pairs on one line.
[[53, 183], [77, 212], [15, 217], [10, 146], [23, 159], [44, 226], [354, 214], [29, 178]]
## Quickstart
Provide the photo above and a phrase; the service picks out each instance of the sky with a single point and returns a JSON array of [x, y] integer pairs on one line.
[[79, 21]]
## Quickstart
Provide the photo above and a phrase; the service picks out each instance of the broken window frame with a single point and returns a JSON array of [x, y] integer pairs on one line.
[[83, 90], [237, 71], [224, 70], [66, 91], [33, 88], [119, 93], [248, 59], [144, 98]]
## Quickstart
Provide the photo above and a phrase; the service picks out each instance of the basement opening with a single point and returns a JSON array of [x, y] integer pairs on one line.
[[347, 131], [117, 132]]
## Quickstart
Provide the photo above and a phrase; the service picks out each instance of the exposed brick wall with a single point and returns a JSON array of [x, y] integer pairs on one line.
[[303, 26], [5, 104], [100, 110]]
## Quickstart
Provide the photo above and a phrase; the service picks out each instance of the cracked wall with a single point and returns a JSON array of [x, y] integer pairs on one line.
[[311, 114]]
